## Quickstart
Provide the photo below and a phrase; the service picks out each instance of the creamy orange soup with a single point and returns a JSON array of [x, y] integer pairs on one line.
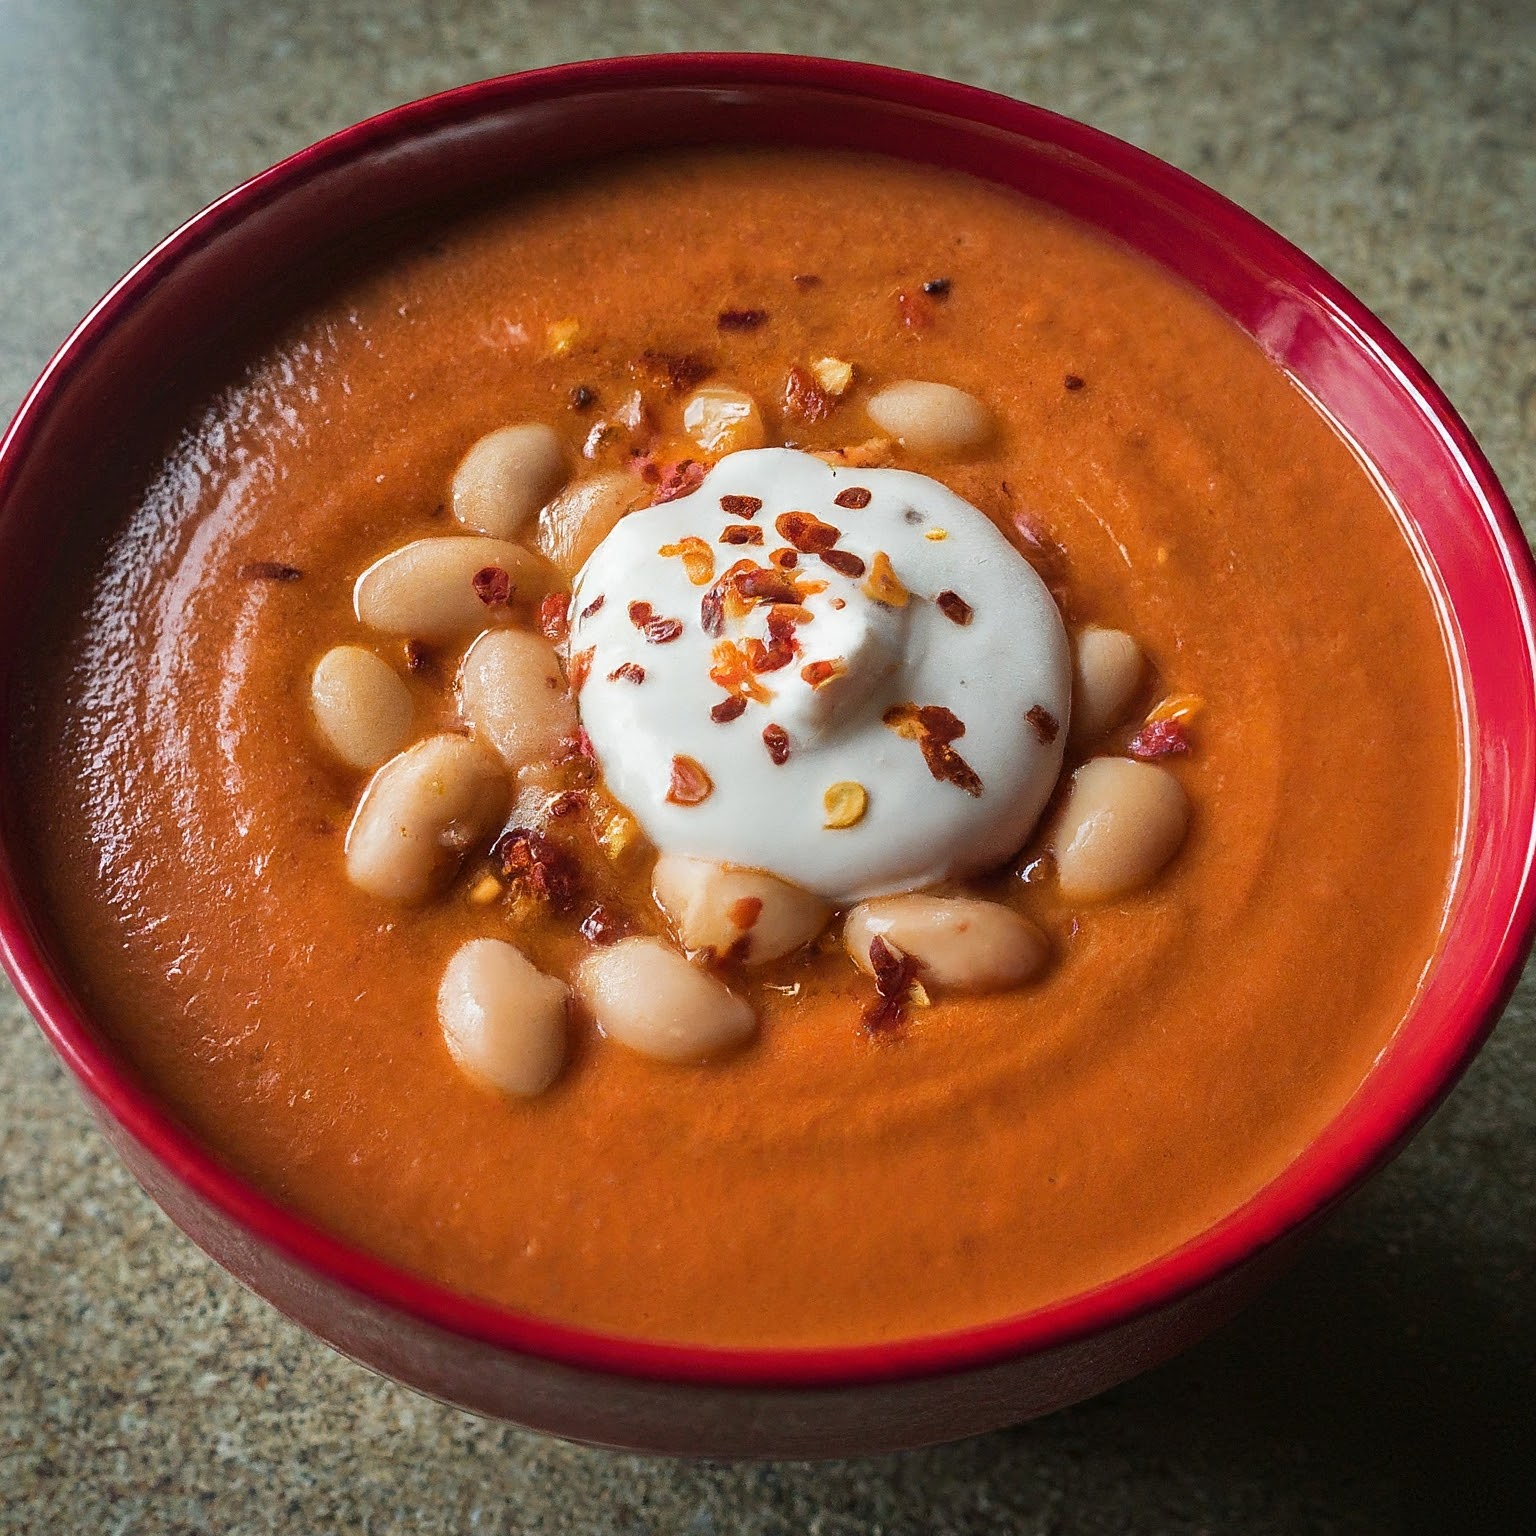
[[827, 1181]]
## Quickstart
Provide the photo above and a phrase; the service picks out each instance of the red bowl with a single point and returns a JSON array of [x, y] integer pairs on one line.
[[157, 323]]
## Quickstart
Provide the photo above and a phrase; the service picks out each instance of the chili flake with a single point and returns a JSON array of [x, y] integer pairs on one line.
[[1177, 706], [741, 506], [728, 709], [1046, 725], [268, 570], [785, 559], [578, 667], [677, 480], [845, 804], [1159, 738], [933, 727], [641, 614], [740, 319], [537, 866], [776, 739], [834, 374], [492, 586], [806, 532], [954, 608], [937, 535], [855, 497], [895, 973], [679, 371], [592, 607], [819, 673], [745, 911], [739, 533], [554, 612], [804, 399], [843, 561], [697, 557], [883, 585], [663, 631], [630, 671], [1072, 382], [690, 785], [602, 925], [916, 311]]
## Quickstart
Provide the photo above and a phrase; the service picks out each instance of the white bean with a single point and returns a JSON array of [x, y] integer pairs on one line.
[[512, 691], [419, 814], [722, 420], [646, 996], [961, 943], [582, 515], [930, 418], [503, 1019], [1107, 669], [362, 708], [711, 906], [506, 477], [1122, 821], [426, 588]]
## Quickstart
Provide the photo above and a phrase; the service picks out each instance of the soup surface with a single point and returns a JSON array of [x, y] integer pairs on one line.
[[826, 1183]]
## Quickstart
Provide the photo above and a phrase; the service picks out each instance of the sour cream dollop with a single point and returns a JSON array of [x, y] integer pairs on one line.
[[792, 645]]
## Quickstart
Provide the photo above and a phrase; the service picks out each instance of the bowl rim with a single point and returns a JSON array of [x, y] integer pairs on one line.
[[1318, 1178]]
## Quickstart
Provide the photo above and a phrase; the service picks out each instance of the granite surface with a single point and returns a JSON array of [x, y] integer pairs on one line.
[[1385, 1385]]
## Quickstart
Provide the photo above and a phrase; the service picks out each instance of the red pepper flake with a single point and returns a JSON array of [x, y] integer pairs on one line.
[[678, 371], [954, 608], [805, 281], [844, 561], [739, 533], [554, 613], [819, 673], [712, 611], [268, 570], [582, 398], [894, 974], [663, 631], [602, 925], [680, 479], [769, 658], [418, 658], [855, 497], [697, 557], [806, 532], [492, 586], [577, 748], [768, 586], [937, 287], [785, 559], [728, 709], [776, 739], [1039, 547], [933, 727], [1159, 738], [641, 614], [730, 669], [916, 310], [741, 506], [1046, 726], [538, 865], [592, 607], [630, 671], [804, 399], [568, 802], [1072, 382], [741, 319], [577, 668], [690, 785], [745, 911]]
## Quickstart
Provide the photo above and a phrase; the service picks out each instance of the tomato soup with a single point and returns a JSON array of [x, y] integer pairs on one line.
[[848, 1152]]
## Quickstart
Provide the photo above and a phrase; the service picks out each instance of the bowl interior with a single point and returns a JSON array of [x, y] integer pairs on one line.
[[137, 359]]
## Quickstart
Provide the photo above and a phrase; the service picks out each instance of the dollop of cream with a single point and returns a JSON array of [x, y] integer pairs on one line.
[[858, 717]]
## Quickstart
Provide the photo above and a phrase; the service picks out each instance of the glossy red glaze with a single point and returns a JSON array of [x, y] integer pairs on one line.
[[169, 310]]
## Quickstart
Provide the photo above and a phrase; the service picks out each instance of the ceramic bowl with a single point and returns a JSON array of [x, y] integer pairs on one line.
[[149, 334]]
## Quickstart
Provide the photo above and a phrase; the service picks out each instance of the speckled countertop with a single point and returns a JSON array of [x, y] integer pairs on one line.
[[1387, 1384]]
